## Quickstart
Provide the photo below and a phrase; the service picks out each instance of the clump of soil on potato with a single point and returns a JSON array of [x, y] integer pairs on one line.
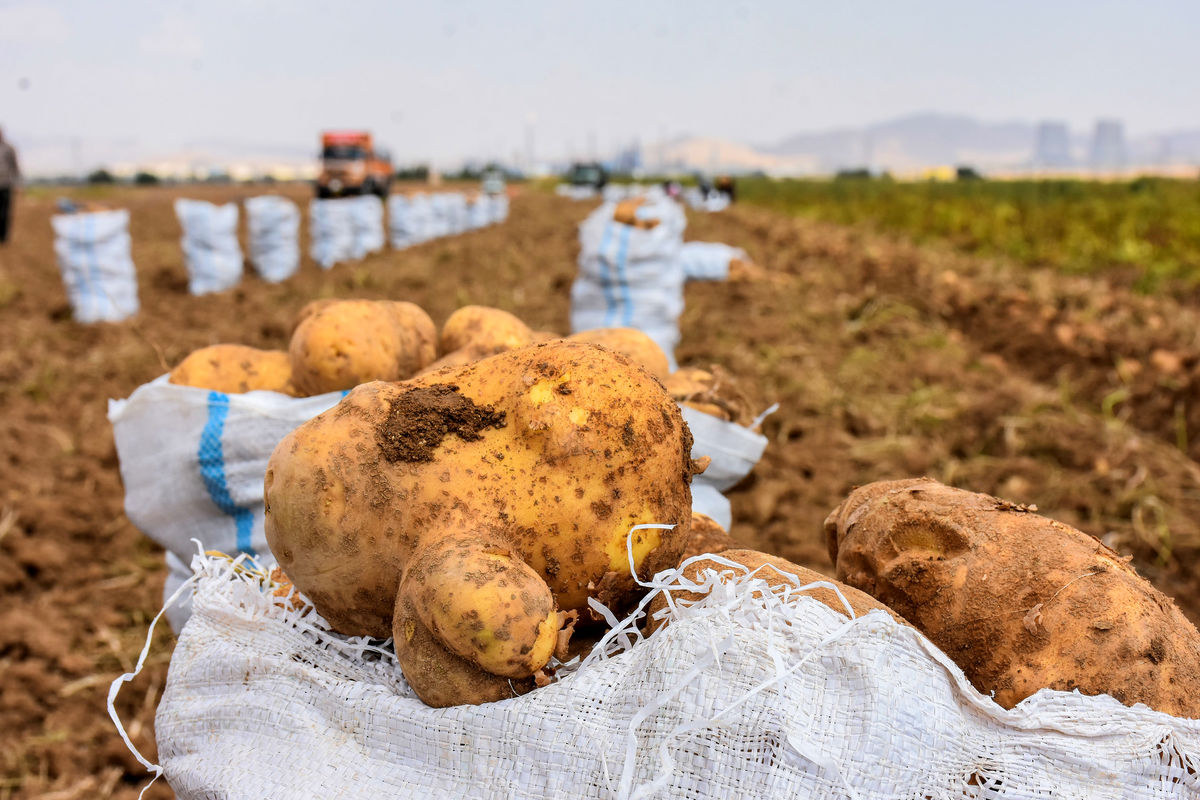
[[422, 417]]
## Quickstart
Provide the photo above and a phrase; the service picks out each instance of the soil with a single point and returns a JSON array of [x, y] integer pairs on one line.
[[888, 361]]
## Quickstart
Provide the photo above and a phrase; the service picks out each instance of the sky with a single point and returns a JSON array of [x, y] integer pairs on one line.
[[85, 82]]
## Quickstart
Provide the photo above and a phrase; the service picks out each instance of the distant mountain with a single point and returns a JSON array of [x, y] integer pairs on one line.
[[918, 142]]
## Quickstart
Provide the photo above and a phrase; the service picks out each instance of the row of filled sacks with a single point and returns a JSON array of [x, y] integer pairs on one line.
[[93, 252], [417, 218]]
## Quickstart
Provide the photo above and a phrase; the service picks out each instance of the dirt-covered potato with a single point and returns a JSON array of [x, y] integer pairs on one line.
[[487, 330], [633, 343], [707, 536], [776, 572], [234, 369], [1020, 602], [473, 333], [342, 343], [711, 391], [482, 507]]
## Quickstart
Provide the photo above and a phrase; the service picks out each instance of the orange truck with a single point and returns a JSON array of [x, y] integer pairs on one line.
[[350, 165]]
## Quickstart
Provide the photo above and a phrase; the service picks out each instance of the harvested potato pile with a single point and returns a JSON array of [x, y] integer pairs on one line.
[[470, 513], [1018, 601], [235, 369], [336, 344]]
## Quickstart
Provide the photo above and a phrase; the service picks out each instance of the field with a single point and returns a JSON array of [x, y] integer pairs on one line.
[[1146, 230], [888, 359]]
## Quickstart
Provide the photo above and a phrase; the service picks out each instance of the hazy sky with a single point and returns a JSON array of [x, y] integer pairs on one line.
[[448, 80]]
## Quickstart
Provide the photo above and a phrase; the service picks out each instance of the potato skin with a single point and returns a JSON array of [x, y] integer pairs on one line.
[[633, 343], [339, 344], [772, 571], [550, 452], [1020, 602], [485, 330], [706, 536], [235, 369]]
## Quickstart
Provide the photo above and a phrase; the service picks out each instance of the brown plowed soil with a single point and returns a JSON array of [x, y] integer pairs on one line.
[[888, 361]]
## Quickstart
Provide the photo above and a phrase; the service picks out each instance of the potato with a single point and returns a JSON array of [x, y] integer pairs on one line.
[[774, 571], [626, 214], [633, 343], [473, 333], [712, 392], [487, 330], [235, 369], [482, 506], [707, 536], [342, 343], [1020, 602]]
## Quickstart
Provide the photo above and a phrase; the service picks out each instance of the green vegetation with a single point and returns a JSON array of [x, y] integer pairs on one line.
[[1149, 226]]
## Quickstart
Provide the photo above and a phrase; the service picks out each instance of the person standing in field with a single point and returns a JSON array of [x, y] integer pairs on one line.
[[10, 173]]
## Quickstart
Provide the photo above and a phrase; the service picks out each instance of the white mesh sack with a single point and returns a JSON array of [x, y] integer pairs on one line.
[[708, 261], [632, 277], [367, 221], [497, 207], [402, 230], [210, 246], [734, 451], [274, 227], [97, 270], [331, 231], [440, 208], [479, 214], [193, 460], [754, 692]]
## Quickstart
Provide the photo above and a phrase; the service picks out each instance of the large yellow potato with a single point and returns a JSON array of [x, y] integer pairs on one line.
[[486, 330], [341, 343], [1019, 601], [473, 333], [482, 507], [633, 343], [234, 369]]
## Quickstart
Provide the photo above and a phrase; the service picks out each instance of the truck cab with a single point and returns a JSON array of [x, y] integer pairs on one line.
[[350, 165]]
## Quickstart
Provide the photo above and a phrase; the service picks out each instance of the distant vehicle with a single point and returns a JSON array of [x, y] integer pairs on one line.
[[587, 173], [350, 165], [492, 181]]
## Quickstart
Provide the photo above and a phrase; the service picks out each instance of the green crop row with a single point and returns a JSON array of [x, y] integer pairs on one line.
[[1149, 226]]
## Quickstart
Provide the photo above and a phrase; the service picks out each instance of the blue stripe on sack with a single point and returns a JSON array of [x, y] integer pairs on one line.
[[622, 279], [211, 456], [610, 298], [89, 264]]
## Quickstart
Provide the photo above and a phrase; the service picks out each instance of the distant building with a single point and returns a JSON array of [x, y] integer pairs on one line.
[[1052, 145], [1108, 144]]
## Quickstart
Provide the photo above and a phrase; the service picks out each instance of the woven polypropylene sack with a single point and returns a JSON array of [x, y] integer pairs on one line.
[[479, 213], [400, 217], [497, 207], [97, 270], [748, 694], [734, 451], [631, 277], [210, 245], [367, 223], [273, 223], [331, 231], [708, 261], [193, 461]]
